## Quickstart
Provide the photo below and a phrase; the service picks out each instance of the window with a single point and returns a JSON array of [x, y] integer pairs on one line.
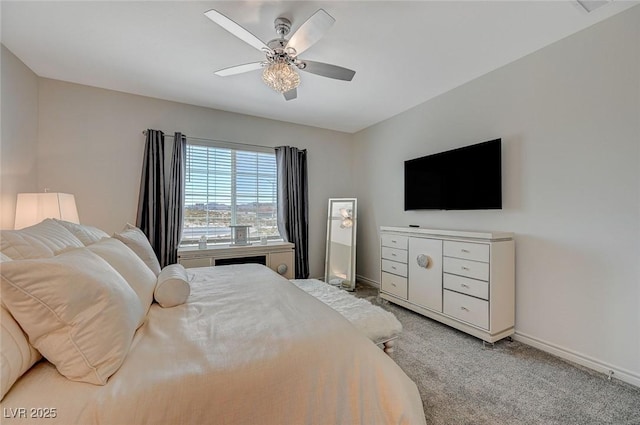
[[227, 186]]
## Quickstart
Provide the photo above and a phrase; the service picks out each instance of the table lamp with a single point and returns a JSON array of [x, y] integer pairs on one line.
[[32, 208]]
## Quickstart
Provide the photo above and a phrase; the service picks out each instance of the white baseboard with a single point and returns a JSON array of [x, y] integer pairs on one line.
[[581, 359], [368, 281]]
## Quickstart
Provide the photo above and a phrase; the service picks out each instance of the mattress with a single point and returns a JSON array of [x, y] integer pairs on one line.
[[248, 347]]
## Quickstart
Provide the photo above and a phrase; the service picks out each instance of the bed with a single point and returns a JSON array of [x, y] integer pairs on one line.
[[248, 347]]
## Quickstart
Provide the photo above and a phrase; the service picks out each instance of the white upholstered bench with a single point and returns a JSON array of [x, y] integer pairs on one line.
[[379, 325]]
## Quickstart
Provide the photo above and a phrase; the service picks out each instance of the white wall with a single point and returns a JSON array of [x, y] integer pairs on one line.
[[19, 134], [91, 145], [569, 118]]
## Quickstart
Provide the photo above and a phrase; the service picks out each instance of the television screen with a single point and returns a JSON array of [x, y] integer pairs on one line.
[[467, 178]]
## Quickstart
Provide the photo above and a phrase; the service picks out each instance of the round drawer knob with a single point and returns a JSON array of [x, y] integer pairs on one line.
[[424, 261], [282, 268]]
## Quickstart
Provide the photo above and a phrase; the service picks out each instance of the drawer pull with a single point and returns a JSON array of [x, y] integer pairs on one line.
[[394, 285], [424, 261], [464, 268], [282, 268], [466, 251], [393, 267], [464, 285], [463, 308], [393, 241], [393, 254]]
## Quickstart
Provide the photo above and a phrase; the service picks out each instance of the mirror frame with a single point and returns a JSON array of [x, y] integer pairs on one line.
[[349, 283]]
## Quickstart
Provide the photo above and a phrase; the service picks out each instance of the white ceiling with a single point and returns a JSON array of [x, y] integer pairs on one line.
[[404, 53]]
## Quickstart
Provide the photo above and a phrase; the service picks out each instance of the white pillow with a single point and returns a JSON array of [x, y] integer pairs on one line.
[[130, 266], [42, 240], [77, 311], [135, 239], [173, 286], [86, 234], [16, 354]]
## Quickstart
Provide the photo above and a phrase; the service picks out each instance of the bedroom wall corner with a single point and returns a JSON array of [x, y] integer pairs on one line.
[[19, 135]]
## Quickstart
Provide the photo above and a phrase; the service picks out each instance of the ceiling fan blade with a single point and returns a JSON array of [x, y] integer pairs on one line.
[[311, 31], [238, 69], [236, 29], [291, 94], [328, 70]]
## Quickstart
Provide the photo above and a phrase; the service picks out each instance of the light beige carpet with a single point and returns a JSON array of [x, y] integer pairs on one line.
[[461, 382]]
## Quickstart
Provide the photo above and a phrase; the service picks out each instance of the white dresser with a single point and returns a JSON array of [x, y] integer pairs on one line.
[[464, 279]]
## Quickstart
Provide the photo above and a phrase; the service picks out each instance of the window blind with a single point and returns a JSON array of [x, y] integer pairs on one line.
[[225, 187]]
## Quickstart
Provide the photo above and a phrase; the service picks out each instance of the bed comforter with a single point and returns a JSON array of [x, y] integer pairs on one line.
[[248, 347]]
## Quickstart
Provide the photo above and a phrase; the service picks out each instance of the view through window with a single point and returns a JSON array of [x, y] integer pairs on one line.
[[225, 187]]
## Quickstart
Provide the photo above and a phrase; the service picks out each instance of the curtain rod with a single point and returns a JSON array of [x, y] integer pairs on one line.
[[164, 133]]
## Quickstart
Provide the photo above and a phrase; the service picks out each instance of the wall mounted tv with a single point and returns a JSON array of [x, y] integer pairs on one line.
[[467, 178]]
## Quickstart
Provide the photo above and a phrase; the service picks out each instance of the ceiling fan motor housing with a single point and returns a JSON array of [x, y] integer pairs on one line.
[[281, 53]]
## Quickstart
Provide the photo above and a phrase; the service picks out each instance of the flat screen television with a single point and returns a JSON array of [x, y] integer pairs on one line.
[[467, 178]]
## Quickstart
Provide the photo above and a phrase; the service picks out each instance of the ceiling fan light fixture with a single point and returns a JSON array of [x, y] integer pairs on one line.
[[281, 77]]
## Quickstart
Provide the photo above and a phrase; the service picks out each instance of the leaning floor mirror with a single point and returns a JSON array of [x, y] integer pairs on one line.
[[340, 263]]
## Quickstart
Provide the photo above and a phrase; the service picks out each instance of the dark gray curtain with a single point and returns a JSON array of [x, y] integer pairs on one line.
[[293, 209], [175, 198], [151, 201]]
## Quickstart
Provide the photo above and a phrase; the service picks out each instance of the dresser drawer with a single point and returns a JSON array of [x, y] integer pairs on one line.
[[472, 269], [394, 241], [394, 267], [467, 250], [394, 285], [466, 308], [394, 254], [476, 288]]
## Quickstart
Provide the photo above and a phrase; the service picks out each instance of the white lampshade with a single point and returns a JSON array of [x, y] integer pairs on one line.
[[32, 208]]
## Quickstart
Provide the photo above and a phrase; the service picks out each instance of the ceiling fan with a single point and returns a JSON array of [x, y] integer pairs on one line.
[[281, 55]]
